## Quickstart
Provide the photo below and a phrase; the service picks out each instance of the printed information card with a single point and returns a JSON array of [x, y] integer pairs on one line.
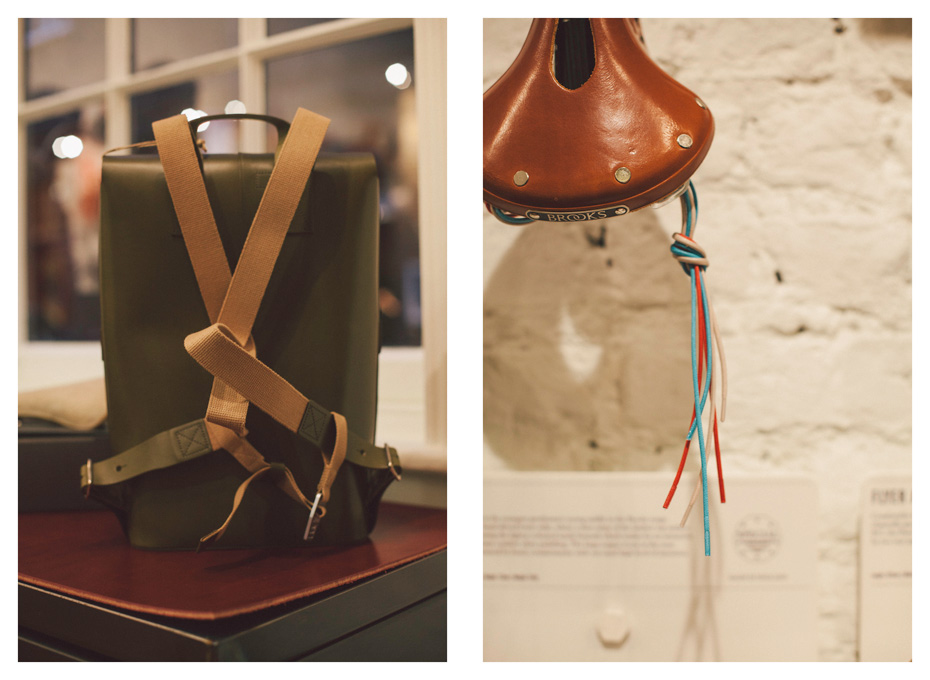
[[589, 567], [885, 570]]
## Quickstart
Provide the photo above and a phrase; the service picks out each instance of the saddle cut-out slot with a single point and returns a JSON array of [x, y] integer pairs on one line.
[[573, 53]]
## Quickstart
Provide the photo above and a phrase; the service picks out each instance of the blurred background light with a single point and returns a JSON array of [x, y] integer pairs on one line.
[[196, 113], [235, 106], [398, 76], [67, 147]]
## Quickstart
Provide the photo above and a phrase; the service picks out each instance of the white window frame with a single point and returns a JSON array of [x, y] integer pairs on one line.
[[412, 384]]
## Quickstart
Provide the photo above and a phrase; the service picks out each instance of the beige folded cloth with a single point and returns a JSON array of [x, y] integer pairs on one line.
[[79, 406]]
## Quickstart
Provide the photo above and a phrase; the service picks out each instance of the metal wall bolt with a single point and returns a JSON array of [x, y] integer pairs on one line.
[[684, 141], [622, 175], [521, 177]]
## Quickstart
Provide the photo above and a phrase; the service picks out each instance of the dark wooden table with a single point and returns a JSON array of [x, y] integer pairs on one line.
[[84, 594]]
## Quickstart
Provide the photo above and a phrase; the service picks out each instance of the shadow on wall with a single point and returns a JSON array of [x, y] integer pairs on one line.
[[885, 27], [587, 361]]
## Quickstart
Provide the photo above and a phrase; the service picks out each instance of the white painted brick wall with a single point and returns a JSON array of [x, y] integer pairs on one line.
[[808, 179]]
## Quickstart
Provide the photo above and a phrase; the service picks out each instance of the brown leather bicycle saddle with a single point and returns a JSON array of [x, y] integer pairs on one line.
[[628, 136]]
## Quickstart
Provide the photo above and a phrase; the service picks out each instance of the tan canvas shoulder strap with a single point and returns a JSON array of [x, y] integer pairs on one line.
[[242, 292], [181, 166], [279, 203]]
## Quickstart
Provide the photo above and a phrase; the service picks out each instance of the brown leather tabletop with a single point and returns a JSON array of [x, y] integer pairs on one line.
[[86, 555]]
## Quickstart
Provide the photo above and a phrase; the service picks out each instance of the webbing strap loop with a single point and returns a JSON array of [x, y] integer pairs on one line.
[[284, 478]]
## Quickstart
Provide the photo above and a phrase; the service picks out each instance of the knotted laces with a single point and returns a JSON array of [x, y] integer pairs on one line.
[[704, 370]]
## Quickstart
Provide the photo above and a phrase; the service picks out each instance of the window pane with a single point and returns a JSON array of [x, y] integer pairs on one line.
[[63, 221], [62, 53], [276, 26], [209, 94], [348, 84], [161, 41]]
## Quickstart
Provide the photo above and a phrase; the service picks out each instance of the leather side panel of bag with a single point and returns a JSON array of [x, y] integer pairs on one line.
[[629, 113], [317, 327]]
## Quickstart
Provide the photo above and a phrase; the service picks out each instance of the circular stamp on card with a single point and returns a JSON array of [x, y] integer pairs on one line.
[[757, 537]]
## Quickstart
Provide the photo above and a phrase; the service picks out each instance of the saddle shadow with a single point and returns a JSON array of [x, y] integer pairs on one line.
[[587, 360]]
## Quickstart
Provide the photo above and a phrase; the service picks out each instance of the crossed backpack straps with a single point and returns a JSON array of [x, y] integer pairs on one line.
[[226, 349]]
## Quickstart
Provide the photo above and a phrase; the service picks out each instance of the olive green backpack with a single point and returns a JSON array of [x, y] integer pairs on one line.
[[241, 354]]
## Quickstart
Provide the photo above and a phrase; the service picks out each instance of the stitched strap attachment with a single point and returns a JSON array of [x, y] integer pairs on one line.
[[177, 445], [165, 449]]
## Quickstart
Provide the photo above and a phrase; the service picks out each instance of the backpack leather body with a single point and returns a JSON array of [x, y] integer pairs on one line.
[[570, 142], [318, 327]]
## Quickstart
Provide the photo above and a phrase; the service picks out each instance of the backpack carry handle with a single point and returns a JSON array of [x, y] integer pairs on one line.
[[281, 125]]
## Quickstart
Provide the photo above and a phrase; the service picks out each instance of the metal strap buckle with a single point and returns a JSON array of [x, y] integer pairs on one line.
[[90, 478], [314, 520], [387, 452]]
